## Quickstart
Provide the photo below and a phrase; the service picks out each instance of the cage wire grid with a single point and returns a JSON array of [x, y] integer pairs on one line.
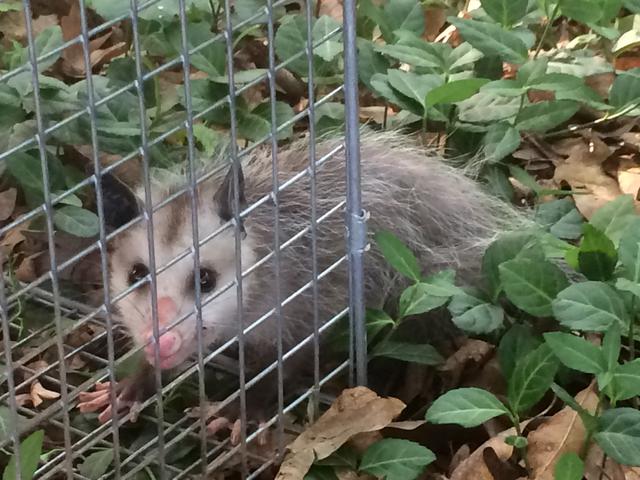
[[69, 316]]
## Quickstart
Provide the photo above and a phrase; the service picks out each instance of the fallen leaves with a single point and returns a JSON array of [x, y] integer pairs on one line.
[[7, 203], [73, 63], [563, 432], [355, 411]]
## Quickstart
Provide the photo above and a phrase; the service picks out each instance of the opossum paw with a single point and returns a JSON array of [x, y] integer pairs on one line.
[[100, 399], [221, 423]]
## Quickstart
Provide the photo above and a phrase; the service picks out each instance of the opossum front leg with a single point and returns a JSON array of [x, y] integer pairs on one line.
[[130, 393]]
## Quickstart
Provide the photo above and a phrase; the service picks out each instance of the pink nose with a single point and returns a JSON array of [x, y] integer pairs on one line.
[[168, 344]]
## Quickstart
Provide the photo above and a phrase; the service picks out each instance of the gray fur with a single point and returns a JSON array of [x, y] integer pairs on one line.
[[440, 213]]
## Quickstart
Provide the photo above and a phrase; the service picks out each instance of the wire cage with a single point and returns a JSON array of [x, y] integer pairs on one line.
[[58, 343]]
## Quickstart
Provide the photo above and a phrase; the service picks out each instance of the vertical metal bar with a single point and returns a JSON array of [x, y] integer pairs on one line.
[[48, 210], [6, 340], [148, 215], [313, 200], [276, 221], [193, 192], [104, 263], [228, 36], [356, 224]]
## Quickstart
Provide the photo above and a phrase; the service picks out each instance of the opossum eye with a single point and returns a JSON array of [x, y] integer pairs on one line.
[[207, 280], [137, 273]]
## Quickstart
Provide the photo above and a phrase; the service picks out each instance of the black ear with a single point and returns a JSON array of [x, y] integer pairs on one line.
[[119, 202], [224, 198]]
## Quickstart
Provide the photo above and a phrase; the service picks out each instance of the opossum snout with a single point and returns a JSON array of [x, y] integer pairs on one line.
[[169, 343]]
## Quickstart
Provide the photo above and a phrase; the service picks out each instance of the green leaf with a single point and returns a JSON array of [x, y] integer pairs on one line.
[[627, 285], [76, 221], [611, 343], [423, 354], [619, 435], [569, 467], [415, 57], [290, 40], [412, 85], [320, 472], [561, 218], [10, 6], [112, 9], [418, 298], [329, 49], [625, 383], [532, 378], [515, 441], [587, 418], [256, 125], [543, 116], [515, 344], [532, 285], [396, 459], [480, 319], [629, 250], [486, 107], [597, 256], [96, 464], [30, 450], [506, 247], [381, 86], [632, 5], [590, 306], [210, 59], [506, 12], [398, 254], [576, 352], [377, 321], [370, 62], [454, 91], [468, 407], [501, 140], [625, 89], [585, 11], [402, 15], [492, 39], [614, 217], [47, 41], [345, 456]]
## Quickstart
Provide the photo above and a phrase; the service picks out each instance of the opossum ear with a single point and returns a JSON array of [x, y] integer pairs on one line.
[[224, 198], [120, 204]]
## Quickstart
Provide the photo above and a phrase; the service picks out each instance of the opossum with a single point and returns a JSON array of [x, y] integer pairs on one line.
[[441, 214]]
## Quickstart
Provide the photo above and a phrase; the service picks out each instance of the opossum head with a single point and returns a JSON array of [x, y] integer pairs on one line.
[[130, 263]]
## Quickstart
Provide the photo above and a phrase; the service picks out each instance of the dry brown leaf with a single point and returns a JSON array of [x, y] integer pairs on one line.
[[13, 27], [434, 20], [376, 113], [39, 394], [356, 410], [563, 432], [23, 399], [629, 177], [599, 467], [472, 351], [7, 203], [583, 171], [26, 271], [73, 63], [474, 467]]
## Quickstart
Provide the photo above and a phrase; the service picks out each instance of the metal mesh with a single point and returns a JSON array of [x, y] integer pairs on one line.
[[81, 333]]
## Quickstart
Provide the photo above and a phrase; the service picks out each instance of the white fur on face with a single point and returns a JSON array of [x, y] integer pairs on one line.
[[177, 282]]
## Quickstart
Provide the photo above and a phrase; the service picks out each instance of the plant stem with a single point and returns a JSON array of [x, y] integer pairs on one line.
[[522, 451], [547, 27]]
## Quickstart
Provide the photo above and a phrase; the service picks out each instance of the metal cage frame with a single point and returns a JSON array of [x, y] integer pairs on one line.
[[46, 291]]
